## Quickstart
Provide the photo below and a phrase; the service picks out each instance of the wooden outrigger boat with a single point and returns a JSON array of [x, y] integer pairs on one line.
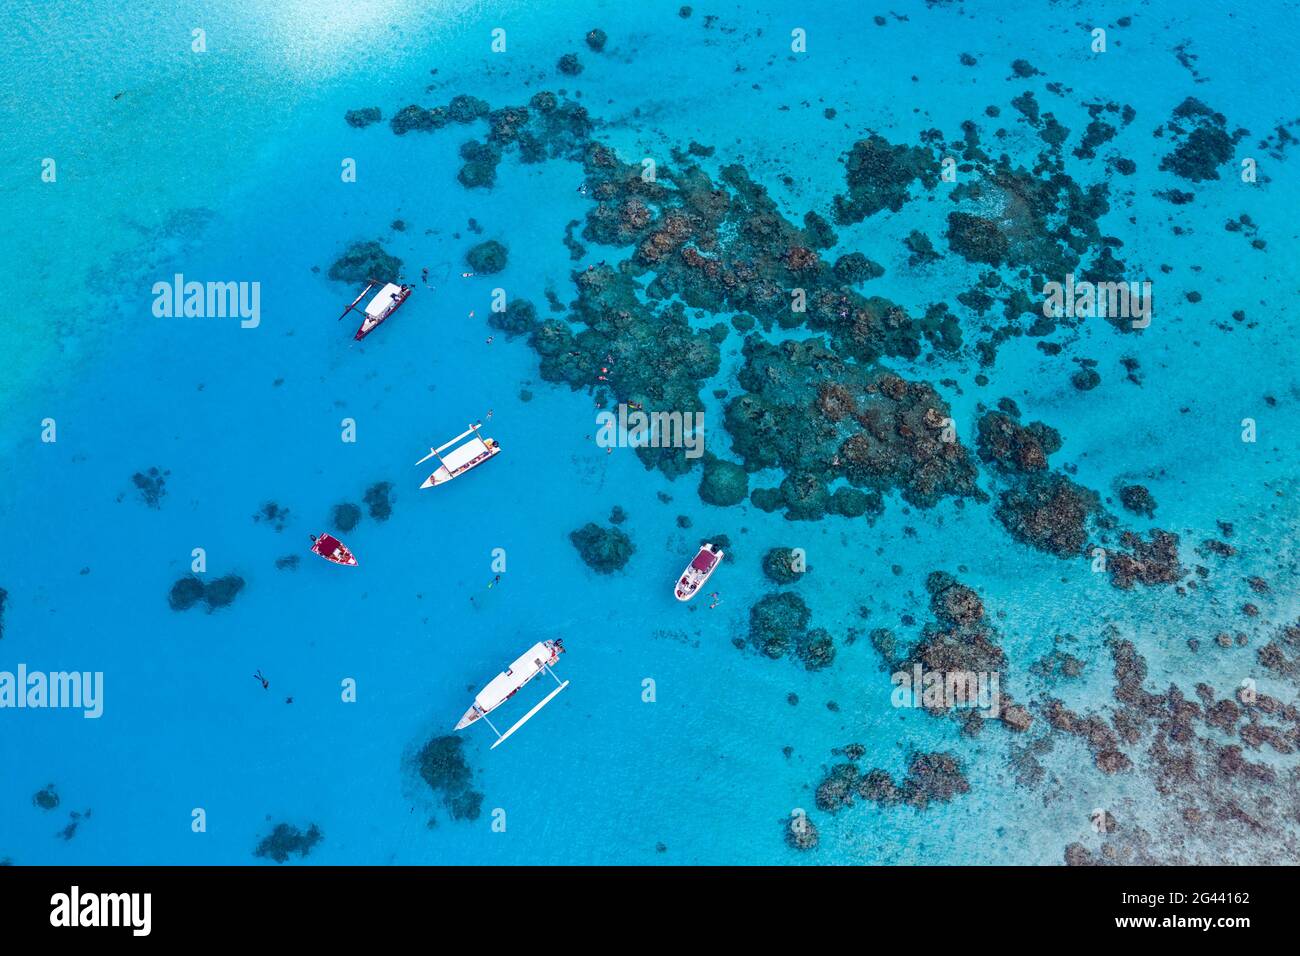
[[698, 571], [332, 549], [386, 301], [539, 658], [460, 460]]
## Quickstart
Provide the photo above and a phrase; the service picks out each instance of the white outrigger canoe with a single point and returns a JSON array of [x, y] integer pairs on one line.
[[542, 656], [461, 459], [700, 569], [386, 301]]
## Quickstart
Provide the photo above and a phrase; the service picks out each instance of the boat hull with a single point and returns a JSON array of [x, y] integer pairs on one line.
[[370, 323], [334, 551], [509, 682], [693, 578], [442, 475]]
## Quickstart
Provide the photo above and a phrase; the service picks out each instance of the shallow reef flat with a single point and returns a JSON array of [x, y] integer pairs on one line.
[[837, 409]]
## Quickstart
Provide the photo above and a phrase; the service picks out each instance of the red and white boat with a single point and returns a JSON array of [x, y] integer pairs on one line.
[[386, 301], [698, 571], [332, 549], [539, 658], [461, 459]]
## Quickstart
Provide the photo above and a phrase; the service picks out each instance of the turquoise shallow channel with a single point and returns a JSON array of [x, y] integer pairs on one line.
[[855, 245]]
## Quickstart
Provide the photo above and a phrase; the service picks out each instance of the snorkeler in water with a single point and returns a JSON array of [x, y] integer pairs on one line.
[[262, 680]]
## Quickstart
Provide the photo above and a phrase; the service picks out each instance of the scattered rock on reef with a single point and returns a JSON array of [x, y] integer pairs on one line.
[[931, 778], [417, 119], [1049, 512], [854, 268], [1137, 499], [1011, 447], [75, 819], [465, 108], [569, 65], [658, 360], [801, 832], [819, 417], [854, 503], [953, 603], [977, 239], [363, 117], [185, 593], [285, 840], [778, 626], [223, 591], [346, 516], [518, 318], [1281, 655], [152, 486], [1153, 560], [776, 622], [487, 258], [596, 39], [879, 175], [784, 566], [481, 161], [724, 483], [604, 550], [273, 514], [379, 501], [1201, 152], [287, 563], [1085, 379], [443, 767], [363, 261], [46, 799]]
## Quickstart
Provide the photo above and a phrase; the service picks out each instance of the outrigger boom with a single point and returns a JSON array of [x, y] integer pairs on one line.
[[372, 284], [538, 659], [443, 447], [501, 738]]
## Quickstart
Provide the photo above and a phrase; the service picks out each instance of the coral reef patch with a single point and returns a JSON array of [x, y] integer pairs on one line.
[[442, 765], [286, 840], [604, 550]]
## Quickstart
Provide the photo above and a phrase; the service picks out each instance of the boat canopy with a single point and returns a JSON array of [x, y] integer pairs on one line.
[[704, 560], [463, 455], [519, 673], [383, 300]]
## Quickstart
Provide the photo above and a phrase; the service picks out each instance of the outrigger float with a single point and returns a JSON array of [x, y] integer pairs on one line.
[[332, 549], [459, 460], [698, 571], [386, 301], [539, 658]]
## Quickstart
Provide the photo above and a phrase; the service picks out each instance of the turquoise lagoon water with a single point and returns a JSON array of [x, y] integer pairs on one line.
[[226, 165]]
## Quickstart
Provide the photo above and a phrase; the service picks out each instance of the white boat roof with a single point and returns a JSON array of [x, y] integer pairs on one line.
[[382, 300], [465, 453], [524, 669]]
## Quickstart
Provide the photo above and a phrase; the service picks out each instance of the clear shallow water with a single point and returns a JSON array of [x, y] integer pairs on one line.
[[228, 167]]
